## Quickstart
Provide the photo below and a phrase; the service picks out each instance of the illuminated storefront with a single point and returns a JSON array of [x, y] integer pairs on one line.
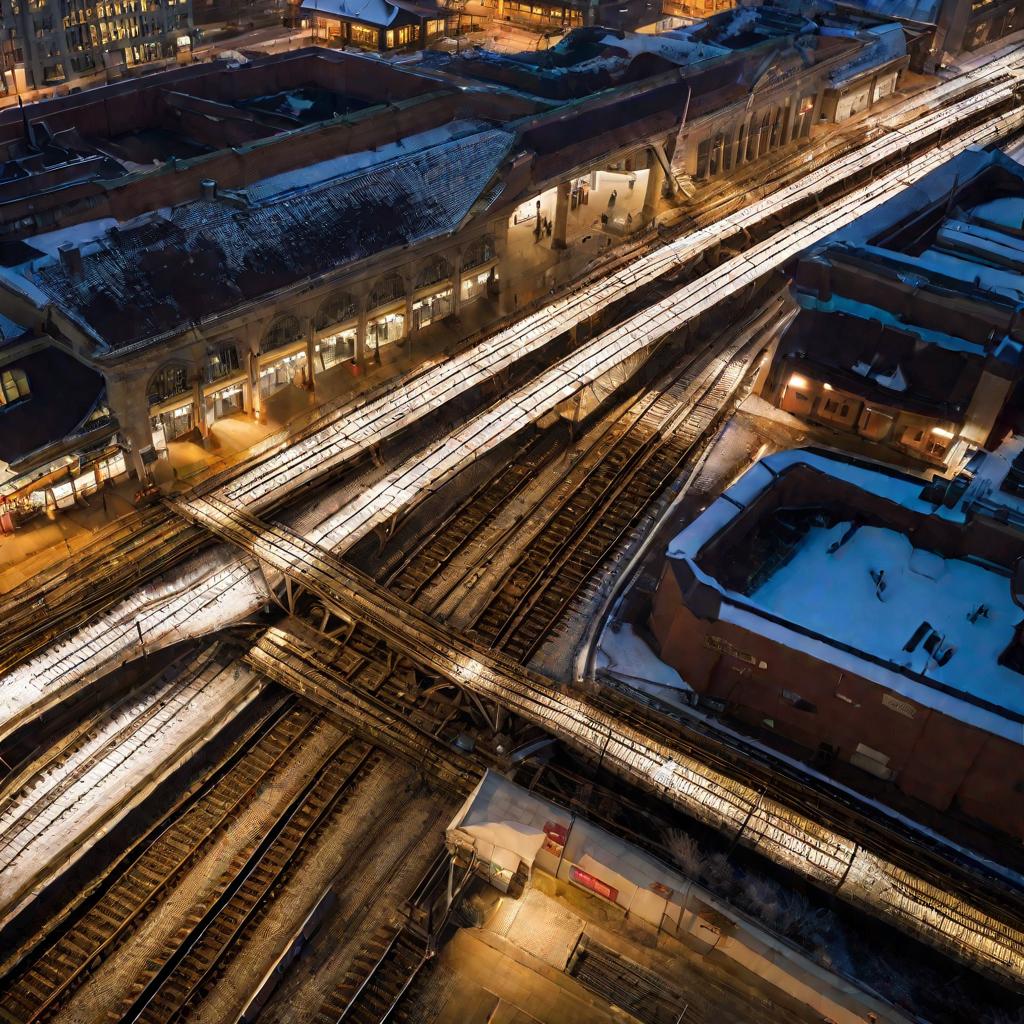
[[386, 320], [431, 308], [335, 348], [385, 328], [282, 370], [337, 328], [282, 357]]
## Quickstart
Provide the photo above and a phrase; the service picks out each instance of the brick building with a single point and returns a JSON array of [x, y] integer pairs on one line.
[[865, 615], [909, 334]]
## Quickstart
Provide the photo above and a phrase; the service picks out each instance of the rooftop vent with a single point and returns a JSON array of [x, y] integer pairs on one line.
[[70, 258]]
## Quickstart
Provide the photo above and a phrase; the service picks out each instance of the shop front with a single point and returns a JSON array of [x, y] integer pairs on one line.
[[386, 326], [282, 367], [60, 485], [339, 346], [172, 420], [429, 308], [228, 398], [479, 282]]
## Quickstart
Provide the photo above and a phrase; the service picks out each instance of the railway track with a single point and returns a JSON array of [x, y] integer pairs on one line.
[[181, 989], [56, 965], [380, 975], [831, 859], [130, 552], [173, 989], [646, 996], [390, 714], [585, 526], [431, 555], [151, 542]]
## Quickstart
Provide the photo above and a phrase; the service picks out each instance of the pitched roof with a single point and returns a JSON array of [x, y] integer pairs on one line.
[[372, 12], [208, 257], [63, 392]]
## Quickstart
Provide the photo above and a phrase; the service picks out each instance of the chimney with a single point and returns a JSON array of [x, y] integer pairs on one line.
[[208, 187], [70, 258]]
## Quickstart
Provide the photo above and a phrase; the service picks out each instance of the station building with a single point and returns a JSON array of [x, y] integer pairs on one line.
[[219, 242], [865, 615], [909, 335]]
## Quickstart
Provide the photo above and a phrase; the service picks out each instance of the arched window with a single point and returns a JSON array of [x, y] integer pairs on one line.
[[283, 331], [168, 381], [436, 270], [338, 308], [478, 252], [221, 361], [387, 289]]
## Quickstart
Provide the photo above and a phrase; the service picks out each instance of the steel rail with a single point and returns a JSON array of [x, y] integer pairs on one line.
[[828, 858], [606, 501], [171, 989], [350, 428], [54, 967]]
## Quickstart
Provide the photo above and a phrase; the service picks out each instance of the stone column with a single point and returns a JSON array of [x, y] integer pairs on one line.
[[408, 313], [652, 196], [132, 411], [199, 402], [254, 385], [310, 370], [561, 215], [457, 284], [361, 334]]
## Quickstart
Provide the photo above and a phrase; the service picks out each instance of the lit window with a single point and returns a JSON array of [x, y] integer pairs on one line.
[[13, 386]]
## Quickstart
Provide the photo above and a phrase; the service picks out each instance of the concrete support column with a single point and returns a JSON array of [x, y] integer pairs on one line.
[[408, 314], [360, 355], [254, 385], [561, 215], [457, 284], [199, 403], [792, 119], [310, 371], [655, 181]]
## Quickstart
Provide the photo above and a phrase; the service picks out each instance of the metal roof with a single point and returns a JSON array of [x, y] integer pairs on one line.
[[208, 257]]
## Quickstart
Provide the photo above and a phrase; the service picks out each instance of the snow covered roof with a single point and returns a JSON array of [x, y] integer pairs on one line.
[[946, 256], [381, 13], [372, 12], [336, 168], [887, 43], [503, 821], [207, 257], [870, 352], [855, 592]]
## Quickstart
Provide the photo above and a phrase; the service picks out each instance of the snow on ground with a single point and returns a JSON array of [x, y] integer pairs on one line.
[[838, 594], [625, 656], [1008, 211], [207, 593], [755, 405], [56, 818]]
